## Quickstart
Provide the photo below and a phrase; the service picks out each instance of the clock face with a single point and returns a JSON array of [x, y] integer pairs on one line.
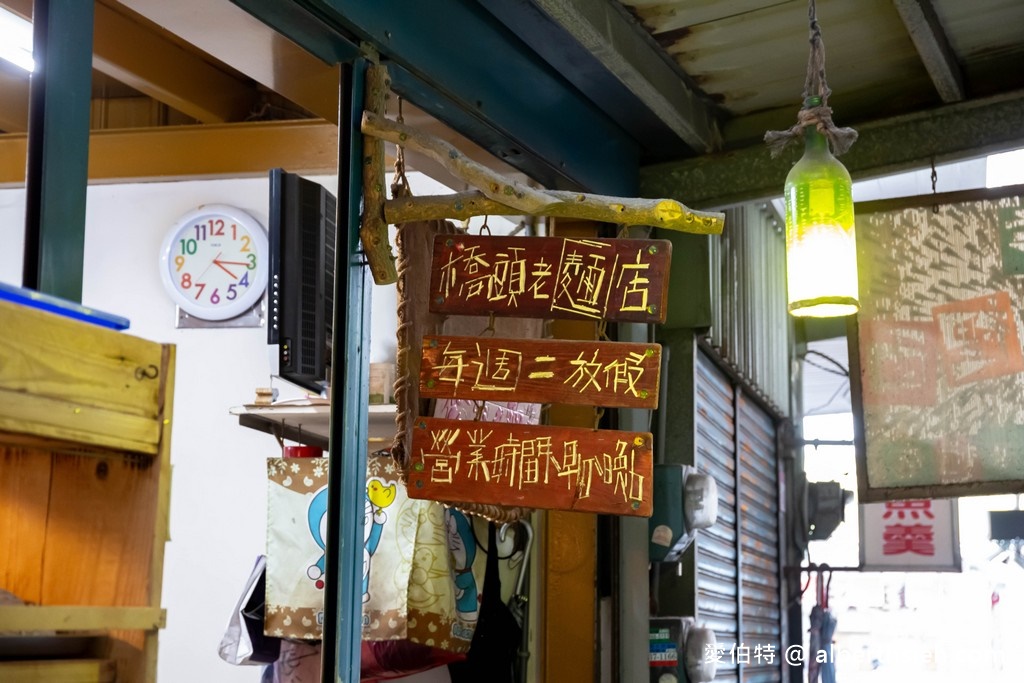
[[214, 262]]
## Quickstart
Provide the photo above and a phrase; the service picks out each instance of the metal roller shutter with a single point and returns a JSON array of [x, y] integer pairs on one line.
[[738, 587]]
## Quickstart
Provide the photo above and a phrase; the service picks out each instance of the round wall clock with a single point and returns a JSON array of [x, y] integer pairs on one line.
[[214, 262]]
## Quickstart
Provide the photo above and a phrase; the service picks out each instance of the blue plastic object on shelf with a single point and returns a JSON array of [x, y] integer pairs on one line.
[[53, 304]]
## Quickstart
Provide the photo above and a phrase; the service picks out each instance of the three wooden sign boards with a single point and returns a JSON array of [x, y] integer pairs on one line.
[[564, 468]]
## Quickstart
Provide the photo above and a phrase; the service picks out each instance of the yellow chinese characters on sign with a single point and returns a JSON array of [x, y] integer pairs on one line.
[[561, 468], [541, 371], [548, 277]]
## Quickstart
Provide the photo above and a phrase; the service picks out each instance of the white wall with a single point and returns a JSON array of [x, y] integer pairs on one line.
[[218, 487]]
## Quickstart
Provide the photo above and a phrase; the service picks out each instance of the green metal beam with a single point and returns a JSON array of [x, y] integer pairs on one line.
[[58, 147], [677, 431], [458, 63], [303, 28], [632, 578], [350, 387], [951, 133]]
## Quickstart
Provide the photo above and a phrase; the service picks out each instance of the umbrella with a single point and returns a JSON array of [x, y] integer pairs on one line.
[[823, 628]]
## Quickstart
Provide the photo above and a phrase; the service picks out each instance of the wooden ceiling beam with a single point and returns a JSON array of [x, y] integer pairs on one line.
[[929, 38], [13, 98], [141, 58], [251, 47], [151, 63], [197, 152]]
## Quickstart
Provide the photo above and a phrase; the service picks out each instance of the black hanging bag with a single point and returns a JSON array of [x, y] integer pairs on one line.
[[492, 653]]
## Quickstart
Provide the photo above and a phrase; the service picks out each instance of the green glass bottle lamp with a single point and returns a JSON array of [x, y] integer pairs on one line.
[[821, 249]]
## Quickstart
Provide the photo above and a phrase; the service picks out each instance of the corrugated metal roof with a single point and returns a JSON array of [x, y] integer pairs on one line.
[[750, 57]]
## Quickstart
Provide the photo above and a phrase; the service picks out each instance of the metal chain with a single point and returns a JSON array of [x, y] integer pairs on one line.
[[400, 186]]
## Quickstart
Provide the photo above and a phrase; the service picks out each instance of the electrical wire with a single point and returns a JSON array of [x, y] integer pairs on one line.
[[843, 371], [842, 389]]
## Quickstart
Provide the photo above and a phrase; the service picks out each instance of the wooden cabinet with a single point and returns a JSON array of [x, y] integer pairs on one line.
[[85, 423]]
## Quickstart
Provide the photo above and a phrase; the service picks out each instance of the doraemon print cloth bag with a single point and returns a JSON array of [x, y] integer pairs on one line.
[[421, 570], [446, 580], [389, 538], [296, 527], [422, 573], [296, 524]]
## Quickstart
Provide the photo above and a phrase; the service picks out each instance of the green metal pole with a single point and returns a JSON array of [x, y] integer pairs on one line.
[[343, 606], [57, 172]]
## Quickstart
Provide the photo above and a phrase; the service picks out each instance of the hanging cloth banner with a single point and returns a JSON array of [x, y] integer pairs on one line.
[[551, 277], [910, 535]]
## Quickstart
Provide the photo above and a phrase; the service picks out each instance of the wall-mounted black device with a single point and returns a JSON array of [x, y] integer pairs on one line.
[[300, 290]]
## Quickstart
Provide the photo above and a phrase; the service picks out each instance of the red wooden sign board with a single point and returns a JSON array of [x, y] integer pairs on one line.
[[551, 277], [557, 468], [614, 374]]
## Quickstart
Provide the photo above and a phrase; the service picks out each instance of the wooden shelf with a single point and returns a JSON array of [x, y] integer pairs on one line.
[[85, 425], [308, 421], [80, 618], [76, 670]]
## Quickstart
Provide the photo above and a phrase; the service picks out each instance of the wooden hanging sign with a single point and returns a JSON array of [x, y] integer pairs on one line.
[[551, 277], [613, 374], [556, 468]]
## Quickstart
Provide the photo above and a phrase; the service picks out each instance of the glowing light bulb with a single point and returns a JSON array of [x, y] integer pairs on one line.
[[821, 249]]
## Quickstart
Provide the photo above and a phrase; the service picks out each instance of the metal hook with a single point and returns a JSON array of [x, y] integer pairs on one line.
[[149, 372], [489, 330], [528, 529]]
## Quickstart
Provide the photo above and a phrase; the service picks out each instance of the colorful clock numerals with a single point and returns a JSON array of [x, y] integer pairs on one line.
[[188, 246], [215, 228], [215, 295], [214, 262]]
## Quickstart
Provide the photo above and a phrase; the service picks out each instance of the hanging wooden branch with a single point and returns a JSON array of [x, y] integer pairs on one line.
[[661, 213], [373, 231], [502, 196], [492, 184]]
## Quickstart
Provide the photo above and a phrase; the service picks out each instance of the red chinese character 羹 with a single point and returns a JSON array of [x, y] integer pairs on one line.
[[914, 509], [913, 538]]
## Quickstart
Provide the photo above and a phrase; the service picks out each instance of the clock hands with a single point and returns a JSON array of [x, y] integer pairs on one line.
[[220, 264], [214, 264], [200, 286]]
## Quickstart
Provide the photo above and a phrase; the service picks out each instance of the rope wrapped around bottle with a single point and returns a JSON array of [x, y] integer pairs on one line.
[[818, 115]]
